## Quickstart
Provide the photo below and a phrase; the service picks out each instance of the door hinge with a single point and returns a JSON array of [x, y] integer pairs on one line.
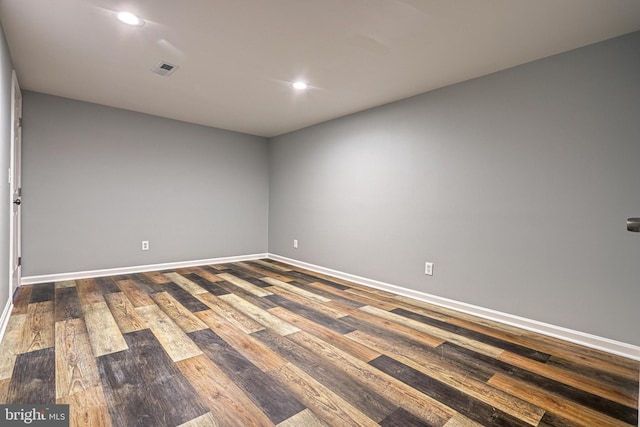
[[19, 261], [20, 122]]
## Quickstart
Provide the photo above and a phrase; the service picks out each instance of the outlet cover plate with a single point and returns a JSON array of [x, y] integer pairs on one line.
[[428, 268]]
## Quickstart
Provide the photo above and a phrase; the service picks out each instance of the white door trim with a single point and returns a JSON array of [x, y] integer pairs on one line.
[[15, 185]]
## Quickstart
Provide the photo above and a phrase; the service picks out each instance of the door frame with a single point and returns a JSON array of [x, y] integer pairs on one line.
[[15, 189]]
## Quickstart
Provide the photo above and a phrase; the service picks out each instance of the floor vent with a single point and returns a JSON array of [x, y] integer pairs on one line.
[[164, 69]]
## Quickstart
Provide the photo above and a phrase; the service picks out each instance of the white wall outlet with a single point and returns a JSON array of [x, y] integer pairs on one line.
[[145, 245], [428, 268], [295, 243]]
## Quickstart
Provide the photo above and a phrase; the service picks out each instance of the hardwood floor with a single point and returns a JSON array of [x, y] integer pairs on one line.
[[263, 343]]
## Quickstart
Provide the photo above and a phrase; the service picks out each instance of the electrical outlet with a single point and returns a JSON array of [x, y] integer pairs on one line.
[[295, 243], [145, 245], [428, 268]]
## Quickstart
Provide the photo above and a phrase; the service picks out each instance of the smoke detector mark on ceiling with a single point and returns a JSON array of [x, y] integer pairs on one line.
[[164, 69]]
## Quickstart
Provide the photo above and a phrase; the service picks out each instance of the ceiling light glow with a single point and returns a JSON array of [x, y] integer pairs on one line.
[[130, 19], [299, 85]]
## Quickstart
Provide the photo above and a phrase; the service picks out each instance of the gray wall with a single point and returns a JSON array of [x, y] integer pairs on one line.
[[516, 185], [5, 155], [98, 180]]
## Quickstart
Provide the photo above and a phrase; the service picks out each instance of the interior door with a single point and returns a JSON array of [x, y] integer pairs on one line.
[[15, 252]]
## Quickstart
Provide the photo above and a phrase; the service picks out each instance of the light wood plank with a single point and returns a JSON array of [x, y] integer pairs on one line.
[[264, 272], [11, 344], [137, 296], [239, 320], [356, 349], [570, 378], [481, 348], [65, 284], [186, 284], [439, 370], [76, 369], [104, 335], [124, 313], [357, 297], [206, 274], [256, 352], [322, 308], [87, 408], [295, 289], [38, 331], [88, 292], [230, 406], [174, 341], [205, 420], [261, 316], [247, 286], [271, 265], [398, 328], [332, 408], [422, 406], [572, 411], [4, 390], [184, 318], [459, 420], [305, 418], [156, 277]]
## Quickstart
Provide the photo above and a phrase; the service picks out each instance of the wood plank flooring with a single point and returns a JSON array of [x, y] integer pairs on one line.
[[262, 343]]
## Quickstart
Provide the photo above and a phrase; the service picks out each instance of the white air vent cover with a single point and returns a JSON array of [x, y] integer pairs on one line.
[[164, 69]]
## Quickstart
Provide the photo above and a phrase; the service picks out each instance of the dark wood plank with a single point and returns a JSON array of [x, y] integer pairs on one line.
[[496, 342], [608, 407], [356, 393], [604, 376], [247, 274], [42, 292], [553, 420], [143, 387], [21, 298], [33, 380], [259, 269], [67, 304], [310, 314], [468, 406], [229, 405], [107, 285], [278, 403], [149, 282], [260, 302], [336, 297], [569, 410], [402, 418], [212, 287], [307, 279], [190, 302]]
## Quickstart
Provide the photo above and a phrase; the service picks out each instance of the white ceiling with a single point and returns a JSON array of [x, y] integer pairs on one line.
[[238, 57]]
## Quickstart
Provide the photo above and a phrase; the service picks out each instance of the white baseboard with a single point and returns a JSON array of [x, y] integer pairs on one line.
[[4, 320], [593, 341], [32, 280]]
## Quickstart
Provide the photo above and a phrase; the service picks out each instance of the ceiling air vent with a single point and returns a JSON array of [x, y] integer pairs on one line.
[[164, 69]]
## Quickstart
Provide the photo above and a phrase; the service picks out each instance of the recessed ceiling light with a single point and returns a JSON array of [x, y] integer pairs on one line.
[[299, 85], [130, 19]]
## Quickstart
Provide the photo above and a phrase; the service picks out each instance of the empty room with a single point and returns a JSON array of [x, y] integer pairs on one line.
[[320, 213]]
